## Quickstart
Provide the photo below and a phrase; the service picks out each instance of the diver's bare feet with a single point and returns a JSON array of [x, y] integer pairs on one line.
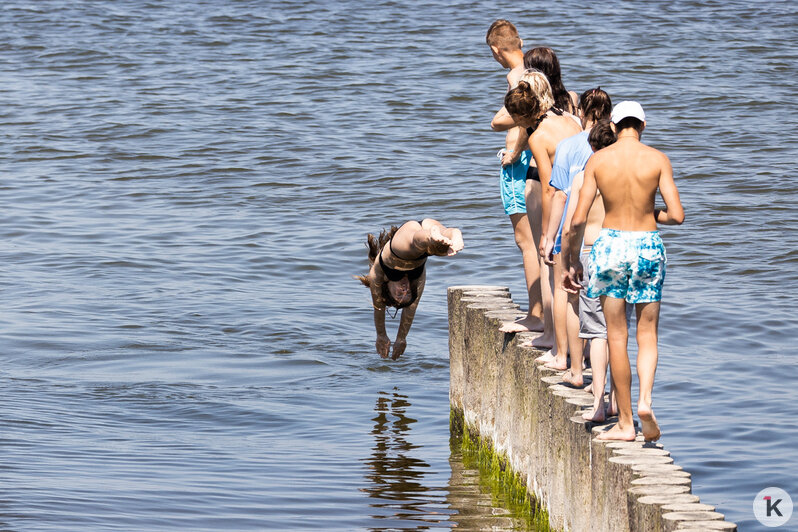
[[528, 324], [616, 433], [457, 242], [437, 237], [596, 415], [574, 380], [651, 430]]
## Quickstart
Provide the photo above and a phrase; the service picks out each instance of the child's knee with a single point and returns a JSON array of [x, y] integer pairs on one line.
[[524, 241]]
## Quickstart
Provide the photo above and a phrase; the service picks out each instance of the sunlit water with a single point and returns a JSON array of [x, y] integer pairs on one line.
[[186, 189]]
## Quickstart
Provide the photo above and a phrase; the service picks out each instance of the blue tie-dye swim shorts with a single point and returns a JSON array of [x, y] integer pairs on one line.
[[627, 265]]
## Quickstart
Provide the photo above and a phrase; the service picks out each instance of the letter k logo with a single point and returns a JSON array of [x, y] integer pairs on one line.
[[772, 506]]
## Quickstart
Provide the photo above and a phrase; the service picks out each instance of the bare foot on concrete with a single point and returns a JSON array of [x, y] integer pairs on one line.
[[528, 324], [545, 357], [651, 430], [596, 415], [618, 434], [577, 381], [559, 363], [589, 388], [543, 342]]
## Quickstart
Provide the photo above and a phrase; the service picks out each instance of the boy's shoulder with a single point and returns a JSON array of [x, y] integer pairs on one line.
[[647, 157], [600, 156], [514, 76], [659, 153], [654, 155]]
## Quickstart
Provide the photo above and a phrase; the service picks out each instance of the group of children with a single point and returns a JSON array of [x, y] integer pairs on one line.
[[588, 264], [561, 154]]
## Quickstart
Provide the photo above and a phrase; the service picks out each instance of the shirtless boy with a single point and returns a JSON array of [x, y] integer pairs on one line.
[[505, 45], [591, 325], [628, 256]]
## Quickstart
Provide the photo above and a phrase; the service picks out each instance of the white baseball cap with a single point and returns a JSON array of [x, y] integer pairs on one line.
[[627, 108]]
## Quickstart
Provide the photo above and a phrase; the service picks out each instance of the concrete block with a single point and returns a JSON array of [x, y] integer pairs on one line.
[[501, 397], [675, 520], [705, 526]]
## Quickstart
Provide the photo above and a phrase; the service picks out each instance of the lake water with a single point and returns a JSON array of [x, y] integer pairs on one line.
[[185, 193]]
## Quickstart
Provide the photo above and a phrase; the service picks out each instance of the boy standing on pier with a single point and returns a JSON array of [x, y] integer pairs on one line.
[[506, 46], [628, 257], [592, 326]]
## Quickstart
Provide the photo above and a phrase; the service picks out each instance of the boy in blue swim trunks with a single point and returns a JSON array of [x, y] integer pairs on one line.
[[591, 325], [506, 47], [628, 257]]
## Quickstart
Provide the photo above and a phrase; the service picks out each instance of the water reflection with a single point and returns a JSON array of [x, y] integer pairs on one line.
[[404, 492], [395, 477], [479, 499]]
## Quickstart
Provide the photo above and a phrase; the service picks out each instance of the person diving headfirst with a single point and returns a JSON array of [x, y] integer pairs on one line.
[[397, 273]]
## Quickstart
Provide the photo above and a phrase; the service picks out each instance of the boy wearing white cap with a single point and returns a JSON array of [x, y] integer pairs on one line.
[[628, 258]]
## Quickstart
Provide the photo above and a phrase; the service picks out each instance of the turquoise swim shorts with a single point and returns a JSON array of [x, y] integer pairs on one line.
[[513, 182], [627, 265]]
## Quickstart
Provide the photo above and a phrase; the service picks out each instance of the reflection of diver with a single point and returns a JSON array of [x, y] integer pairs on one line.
[[394, 476]]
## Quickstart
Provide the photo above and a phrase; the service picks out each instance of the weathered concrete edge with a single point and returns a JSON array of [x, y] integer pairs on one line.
[[532, 421], [512, 483]]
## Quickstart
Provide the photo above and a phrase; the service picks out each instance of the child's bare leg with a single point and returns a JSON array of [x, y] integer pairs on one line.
[[647, 322], [548, 339], [540, 293], [546, 299], [574, 376], [559, 300], [546, 281], [525, 242], [617, 337], [598, 361], [612, 403], [429, 223], [403, 241]]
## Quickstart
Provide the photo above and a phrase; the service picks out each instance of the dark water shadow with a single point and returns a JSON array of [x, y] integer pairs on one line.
[[405, 496], [401, 499]]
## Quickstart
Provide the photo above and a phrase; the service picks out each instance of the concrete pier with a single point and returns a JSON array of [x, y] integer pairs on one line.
[[501, 396]]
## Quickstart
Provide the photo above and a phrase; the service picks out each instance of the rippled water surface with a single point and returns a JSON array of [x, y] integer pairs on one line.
[[185, 192]]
